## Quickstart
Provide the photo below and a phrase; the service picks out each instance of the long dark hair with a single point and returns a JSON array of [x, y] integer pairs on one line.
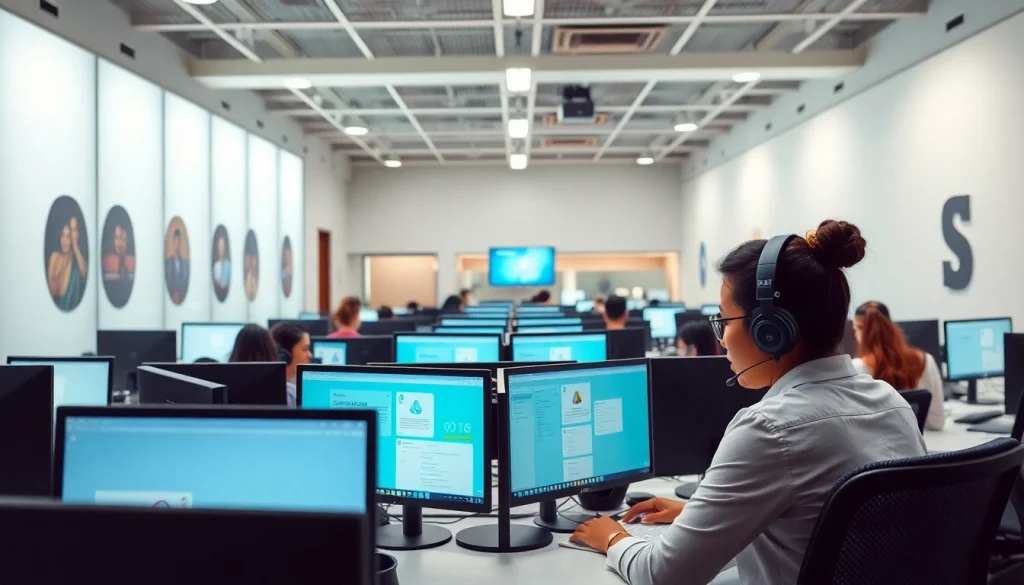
[[254, 344], [452, 305], [699, 335], [287, 335]]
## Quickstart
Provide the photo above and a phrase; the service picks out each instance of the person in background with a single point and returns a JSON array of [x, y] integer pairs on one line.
[[294, 349], [177, 270], [452, 306], [599, 305], [616, 315], [654, 303], [467, 298], [413, 307], [696, 339], [385, 312], [254, 344], [779, 459], [543, 297], [346, 318], [885, 355]]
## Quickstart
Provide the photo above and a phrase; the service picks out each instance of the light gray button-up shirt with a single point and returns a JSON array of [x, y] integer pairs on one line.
[[761, 496]]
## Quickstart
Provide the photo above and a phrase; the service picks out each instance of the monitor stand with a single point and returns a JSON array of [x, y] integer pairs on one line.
[[972, 395], [503, 537], [413, 534], [564, 523], [686, 490]]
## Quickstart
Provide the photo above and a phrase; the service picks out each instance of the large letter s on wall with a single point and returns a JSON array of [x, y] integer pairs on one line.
[[957, 242]]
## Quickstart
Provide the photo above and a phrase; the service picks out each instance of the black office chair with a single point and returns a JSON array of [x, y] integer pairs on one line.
[[920, 521], [920, 401], [1008, 562]]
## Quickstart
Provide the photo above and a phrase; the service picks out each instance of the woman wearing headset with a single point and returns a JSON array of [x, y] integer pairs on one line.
[[784, 305], [293, 346]]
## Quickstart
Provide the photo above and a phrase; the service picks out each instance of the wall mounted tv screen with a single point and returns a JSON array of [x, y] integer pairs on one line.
[[522, 266]]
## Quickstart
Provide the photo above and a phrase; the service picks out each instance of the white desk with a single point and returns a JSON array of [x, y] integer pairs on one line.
[[955, 435]]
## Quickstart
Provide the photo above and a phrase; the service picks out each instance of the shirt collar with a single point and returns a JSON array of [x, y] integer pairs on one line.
[[821, 370]]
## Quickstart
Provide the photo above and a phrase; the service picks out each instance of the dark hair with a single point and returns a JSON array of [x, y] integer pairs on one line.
[[385, 312], [287, 335], [542, 297], [452, 305], [347, 311], [699, 334], [413, 306], [654, 303], [464, 292], [615, 307], [254, 344], [809, 281], [880, 307]]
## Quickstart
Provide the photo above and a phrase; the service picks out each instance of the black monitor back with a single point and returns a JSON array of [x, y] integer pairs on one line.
[[315, 327], [1013, 356], [692, 408], [684, 317], [26, 430], [387, 327], [368, 349], [162, 387], [131, 349], [627, 343], [251, 384], [923, 335], [175, 546]]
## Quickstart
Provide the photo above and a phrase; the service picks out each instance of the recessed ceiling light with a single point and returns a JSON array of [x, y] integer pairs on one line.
[[356, 130], [516, 8], [746, 77], [297, 83], [517, 79], [518, 128], [644, 161], [517, 162], [685, 127], [393, 163], [200, 1]]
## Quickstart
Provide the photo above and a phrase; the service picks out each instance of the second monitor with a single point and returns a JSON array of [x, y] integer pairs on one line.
[[425, 348], [563, 347]]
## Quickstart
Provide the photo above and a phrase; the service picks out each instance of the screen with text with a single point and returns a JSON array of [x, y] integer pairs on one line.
[[331, 353], [662, 320], [208, 341], [560, 348], [447, 349], [975, 348]]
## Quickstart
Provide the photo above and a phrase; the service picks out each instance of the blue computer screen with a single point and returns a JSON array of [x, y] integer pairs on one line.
[[368, 315], [331, 353], [542, 311], [447, 349], [475, 322], [974, 349], [502, 315], [537, 321], [179, 462], [489, 309], [584, 306], [710, 310], [522, 266], [662, 320], [431, 429], [471, 330], [307, 316], [208, 340], [76, 383], [560, 348], [550, 329], [585, 425]]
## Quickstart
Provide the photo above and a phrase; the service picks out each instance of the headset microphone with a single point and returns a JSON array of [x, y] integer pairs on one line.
[[732, 381]]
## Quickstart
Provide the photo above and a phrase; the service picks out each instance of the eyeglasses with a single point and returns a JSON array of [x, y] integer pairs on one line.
[[718, 324]]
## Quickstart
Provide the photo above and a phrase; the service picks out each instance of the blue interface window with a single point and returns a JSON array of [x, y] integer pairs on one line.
[[662, 320], [521, 266], [551, 329], [489, 309], [331, 353], [503, 315], [710, 310], [307, 316], [474, 322], [974, 349], [447, 349], [537, 321], [77, 383], [368, 315], [431, 429], [536, 310], [208, 340], [585, 306], [277, 464], [560, 348], [578, 427], [471, 330]]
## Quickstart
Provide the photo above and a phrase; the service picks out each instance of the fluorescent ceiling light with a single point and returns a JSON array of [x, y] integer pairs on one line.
[[518, 128], [644, 161], [746, 77], [199, 1], [517, 162], [356, 130], [517, 80], [685, 127], [516, 8], [297, 83], [393, 163]]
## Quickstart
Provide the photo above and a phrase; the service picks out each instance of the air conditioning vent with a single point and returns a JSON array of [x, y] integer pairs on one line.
[[588, 40], [599, 120], [568, 142]]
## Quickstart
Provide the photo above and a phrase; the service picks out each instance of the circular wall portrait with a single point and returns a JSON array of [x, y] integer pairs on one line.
[[118, 249], [66, 253], [176, 260], [221, 263], [251, 266], [287, 267]]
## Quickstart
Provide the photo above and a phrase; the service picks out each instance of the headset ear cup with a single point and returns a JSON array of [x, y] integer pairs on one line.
[[772, 334], [284, 355], [791, 329]]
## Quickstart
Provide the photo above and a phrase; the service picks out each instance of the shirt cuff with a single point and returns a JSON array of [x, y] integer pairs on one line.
[[621, 553]]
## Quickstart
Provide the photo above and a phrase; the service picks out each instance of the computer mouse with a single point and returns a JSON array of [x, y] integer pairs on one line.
[[634, 498]]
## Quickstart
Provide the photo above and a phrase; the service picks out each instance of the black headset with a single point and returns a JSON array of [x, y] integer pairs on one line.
[[773, 328], [284, 355]]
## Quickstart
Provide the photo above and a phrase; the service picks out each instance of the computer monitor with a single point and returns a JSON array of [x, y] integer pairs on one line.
[[471, 330], [530, 321], [315, 327], [251, 459], [661, 295], [635, 304], [307, 315], [354, 350], [710, 310], [503, 315], [663, 320], [628, 343], [584, 306], [216, 546], [923, 335], [550, 329], [400, 311], [559, 347], [77, 381], [368, 315], [462, 322], [1013, 354], [26, 429], [533, 266], [538, 310], [160, 387], [249, 384], [387, 327], [571, 296], [974, 348], [426, 348], [130, 349], [489, 308], [431, 429], [208, 341], [505, 304]]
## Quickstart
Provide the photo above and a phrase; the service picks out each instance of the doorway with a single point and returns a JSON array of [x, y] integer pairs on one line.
[[324, 270]]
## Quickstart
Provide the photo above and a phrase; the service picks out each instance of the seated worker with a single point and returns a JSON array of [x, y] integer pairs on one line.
[[452, 305], [760, 499], [346, 318], [413, 307], [615, 313], [385, 312], [885, 355], [294, 349], [696, 338], [466, 297], [253, 344], [543, 297], [599, 305]]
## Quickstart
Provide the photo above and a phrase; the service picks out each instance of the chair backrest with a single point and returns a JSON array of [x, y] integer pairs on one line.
[[920, 521], [920, 401]]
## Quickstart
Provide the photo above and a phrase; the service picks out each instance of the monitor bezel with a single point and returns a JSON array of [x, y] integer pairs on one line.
[[485, 379], [394, 343], [227, 412], [514, 336], [181, 334], [110, 367], [947, 353], [506, 453]]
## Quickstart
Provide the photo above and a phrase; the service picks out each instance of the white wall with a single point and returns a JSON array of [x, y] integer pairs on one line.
[[887, 160], [456, 210], [327, 187]]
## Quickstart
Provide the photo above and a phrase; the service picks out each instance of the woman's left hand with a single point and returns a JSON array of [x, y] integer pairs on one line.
[[595, 533]]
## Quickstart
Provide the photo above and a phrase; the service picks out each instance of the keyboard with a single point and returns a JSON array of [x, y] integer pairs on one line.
[[646, 532], [979, 417], [999, 426]]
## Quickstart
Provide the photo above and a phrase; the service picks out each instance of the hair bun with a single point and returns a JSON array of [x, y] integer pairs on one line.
[[837, 244]]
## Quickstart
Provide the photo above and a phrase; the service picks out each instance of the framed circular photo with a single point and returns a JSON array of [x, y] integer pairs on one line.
[[287, 267], [66, 253], [221, 263], [251, 266], [176, 260], [117, 247]]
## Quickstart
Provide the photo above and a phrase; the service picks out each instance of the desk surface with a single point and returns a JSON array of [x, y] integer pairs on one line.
[[554, 565]]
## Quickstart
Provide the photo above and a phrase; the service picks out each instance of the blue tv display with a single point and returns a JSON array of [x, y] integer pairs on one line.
[[522, 267]]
